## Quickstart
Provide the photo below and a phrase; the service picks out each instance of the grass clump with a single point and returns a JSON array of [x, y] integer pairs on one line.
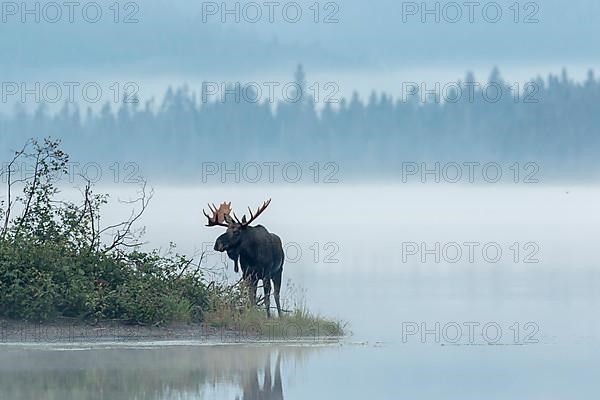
[[234, 313]]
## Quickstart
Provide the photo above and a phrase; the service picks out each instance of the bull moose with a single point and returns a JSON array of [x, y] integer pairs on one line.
[[259, 252]]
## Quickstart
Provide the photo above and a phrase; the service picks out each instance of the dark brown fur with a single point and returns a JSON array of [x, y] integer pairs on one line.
[[260, 254]]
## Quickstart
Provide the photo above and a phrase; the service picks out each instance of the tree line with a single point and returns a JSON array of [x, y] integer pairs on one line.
[[551, 121]]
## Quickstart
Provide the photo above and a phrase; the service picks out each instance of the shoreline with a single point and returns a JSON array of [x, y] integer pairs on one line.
[[73, 331]]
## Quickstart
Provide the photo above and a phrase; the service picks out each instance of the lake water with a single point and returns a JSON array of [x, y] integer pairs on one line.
[[450, 291]]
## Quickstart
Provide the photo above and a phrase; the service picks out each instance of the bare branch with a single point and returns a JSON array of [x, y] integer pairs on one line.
[[125, 232], [9, 186]]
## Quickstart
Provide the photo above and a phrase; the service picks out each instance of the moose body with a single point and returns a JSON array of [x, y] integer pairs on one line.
[[259, 252]]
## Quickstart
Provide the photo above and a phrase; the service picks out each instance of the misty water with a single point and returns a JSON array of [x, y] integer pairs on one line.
[[516, 320]]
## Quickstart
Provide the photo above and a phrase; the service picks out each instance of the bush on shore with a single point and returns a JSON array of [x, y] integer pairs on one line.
[[54, 261]]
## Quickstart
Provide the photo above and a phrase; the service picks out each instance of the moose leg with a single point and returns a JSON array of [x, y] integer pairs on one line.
[[277, 286], [267, 289]]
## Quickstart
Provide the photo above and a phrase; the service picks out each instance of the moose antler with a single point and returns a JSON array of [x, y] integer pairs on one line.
[[218, 217], [259, 211]]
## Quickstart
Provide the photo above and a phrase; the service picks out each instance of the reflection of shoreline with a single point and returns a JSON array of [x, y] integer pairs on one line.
[[149, 373]]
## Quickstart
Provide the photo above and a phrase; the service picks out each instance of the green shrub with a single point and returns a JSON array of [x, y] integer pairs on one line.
[[52, 261]]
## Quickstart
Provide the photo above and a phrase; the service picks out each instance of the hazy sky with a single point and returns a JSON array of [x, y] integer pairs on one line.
[[189, 37]]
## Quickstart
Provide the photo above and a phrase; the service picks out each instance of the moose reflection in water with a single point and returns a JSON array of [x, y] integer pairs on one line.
[[270, 389], [159, 373], [259, 252]]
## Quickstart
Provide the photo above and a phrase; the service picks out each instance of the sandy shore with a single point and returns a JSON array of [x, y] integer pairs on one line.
[[77, 331], [74, 331]]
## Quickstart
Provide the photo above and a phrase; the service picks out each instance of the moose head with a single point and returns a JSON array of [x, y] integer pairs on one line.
[[230, 241]]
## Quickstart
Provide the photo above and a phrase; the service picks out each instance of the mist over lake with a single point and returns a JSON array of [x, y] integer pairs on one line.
[[384, 290], [353, 265]]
